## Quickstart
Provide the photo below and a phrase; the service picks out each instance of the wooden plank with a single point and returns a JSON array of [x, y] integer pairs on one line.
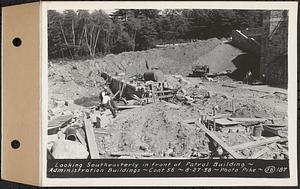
[[242, 119], [225, 122], [275, 125], [144, 154], [257, 143], [122, 89], [230, 86], [166, 91], [90, 135], [101, 132], [189, 121], [80, 138], [59, 121], [165, 96], [257, 89], [127, 107], [233, 153], [260, 153], [115, 94], [219, 116]]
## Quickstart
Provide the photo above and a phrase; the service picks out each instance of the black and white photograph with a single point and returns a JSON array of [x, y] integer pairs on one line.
[[168, 84]]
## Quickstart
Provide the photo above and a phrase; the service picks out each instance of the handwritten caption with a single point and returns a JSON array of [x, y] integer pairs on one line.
[[167, 168]]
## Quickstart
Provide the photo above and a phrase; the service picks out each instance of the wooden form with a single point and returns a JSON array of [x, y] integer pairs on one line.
[[162, 94], [116, 94], [90, 135], [258, 143], [225, 122], [212, 135], [242, 119]]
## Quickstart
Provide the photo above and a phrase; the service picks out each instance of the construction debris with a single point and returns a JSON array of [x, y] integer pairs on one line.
[[162, 113]]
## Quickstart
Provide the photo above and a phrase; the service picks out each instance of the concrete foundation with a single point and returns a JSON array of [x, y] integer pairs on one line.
[[274, 48]]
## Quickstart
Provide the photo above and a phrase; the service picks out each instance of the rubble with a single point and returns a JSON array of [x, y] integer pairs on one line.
[[168, 116]]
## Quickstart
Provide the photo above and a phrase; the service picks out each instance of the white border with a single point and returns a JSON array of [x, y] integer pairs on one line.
[[199, 181]]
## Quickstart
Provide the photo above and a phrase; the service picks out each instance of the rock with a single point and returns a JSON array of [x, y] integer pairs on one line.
[[168, 152], [172, 154], [183, 91], [247, 152], [59, 104], [66, 149], [67, 112], [144, 146], [69, 102], [102, 152], [219, 151], [55, 112]]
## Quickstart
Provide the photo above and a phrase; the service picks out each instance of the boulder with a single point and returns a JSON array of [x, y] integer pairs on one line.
[[66, 149]]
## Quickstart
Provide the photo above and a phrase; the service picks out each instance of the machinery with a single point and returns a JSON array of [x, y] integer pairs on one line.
[[200, 70]]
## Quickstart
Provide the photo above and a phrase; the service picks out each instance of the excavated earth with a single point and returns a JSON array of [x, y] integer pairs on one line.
[[159, 128]]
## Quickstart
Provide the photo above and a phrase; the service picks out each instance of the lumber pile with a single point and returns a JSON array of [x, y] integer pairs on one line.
[[258, 143], [211, 134], [233, 151]]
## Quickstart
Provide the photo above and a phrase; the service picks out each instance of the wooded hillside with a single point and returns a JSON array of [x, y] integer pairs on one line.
[[82, 33]]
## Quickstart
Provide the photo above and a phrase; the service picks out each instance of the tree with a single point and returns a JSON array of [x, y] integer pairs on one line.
[[55, 48], [147, 35], [80, 33]]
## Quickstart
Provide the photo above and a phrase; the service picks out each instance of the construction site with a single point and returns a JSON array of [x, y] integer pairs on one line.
[[207, 99]]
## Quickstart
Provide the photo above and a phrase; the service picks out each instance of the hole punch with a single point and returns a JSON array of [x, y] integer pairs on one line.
[[15, 144], [17, 42]]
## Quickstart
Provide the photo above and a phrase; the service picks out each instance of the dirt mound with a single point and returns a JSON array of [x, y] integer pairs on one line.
[[220, 58], [171, 60], [155, 128], [77, 79]]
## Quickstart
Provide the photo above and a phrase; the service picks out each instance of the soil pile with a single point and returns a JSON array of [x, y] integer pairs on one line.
[[77, 80], [220, 58], [155, 128], [171, 60]]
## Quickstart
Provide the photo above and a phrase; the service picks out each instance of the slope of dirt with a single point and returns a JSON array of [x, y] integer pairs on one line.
[[155, 128], [73, 80], [82, 78], [171, 60], [220, 58]]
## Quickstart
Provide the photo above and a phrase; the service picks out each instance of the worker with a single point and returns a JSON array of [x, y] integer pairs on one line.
[[165, 85], [263, 78], [107, 102], [248, 77]]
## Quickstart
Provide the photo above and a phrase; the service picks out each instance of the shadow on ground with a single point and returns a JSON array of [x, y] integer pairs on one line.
[[87, 101]]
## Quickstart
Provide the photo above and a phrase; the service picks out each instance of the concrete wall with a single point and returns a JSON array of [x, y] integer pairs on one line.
[[274, 48]]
